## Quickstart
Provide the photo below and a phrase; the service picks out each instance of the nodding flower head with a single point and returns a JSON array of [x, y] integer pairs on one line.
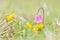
[[38, 18]]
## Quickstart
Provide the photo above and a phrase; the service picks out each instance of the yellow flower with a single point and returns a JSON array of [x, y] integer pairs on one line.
[[35, 30], [40, 25], [28, 24], [9, 17]]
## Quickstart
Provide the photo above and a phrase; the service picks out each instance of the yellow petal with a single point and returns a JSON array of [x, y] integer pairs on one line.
[[9, 17], [35, 30], [28, 24], [40, 25]]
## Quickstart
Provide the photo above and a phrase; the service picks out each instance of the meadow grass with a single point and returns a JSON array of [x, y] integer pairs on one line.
[[16, 28]]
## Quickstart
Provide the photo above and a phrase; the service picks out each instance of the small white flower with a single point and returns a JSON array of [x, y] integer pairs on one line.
[[22, 19], [48, 34], [48, 13], [58, 22], [44, 5], [0, 16]]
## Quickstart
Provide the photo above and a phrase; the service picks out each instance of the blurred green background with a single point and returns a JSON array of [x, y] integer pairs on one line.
[[28, 8]]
